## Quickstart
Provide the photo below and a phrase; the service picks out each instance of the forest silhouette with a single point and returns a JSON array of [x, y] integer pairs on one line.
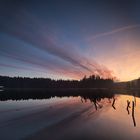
[[25, 82]]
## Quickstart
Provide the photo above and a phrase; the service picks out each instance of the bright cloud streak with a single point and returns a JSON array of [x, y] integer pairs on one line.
[[125, 28]]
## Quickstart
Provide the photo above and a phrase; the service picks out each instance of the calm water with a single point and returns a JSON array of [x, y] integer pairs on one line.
[[71, 118]]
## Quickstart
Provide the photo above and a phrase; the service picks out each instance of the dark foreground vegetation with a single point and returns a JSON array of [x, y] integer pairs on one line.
[[24, 82]]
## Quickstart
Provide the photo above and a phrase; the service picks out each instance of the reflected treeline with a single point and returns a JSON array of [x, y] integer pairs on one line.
[[97, 96], [24, 82], [24, 94]]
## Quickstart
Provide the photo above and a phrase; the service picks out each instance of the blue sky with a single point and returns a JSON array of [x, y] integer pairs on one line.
[[70, 38]]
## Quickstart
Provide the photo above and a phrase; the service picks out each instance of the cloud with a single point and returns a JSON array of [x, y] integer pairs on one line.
[[125, 28], [33, 31]]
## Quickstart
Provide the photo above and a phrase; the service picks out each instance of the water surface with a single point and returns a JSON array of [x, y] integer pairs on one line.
[[71, 117]]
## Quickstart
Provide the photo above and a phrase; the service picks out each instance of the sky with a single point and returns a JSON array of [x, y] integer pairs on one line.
[[68, 39]]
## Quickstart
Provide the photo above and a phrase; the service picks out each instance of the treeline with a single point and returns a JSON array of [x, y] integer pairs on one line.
[[24, 82], [134, 83]]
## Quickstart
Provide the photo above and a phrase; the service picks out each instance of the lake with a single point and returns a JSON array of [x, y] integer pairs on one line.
[[71, 117]]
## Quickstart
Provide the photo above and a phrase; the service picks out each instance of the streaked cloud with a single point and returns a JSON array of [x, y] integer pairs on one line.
[[125, 28], [29, 29]]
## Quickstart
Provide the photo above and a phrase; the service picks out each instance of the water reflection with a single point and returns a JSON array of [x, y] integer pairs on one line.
[[112, 100], [128, 106], [133, 110], [133, 114], [96, 100], [113, 104], [23, 94], [95, 97], [78, 113]]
